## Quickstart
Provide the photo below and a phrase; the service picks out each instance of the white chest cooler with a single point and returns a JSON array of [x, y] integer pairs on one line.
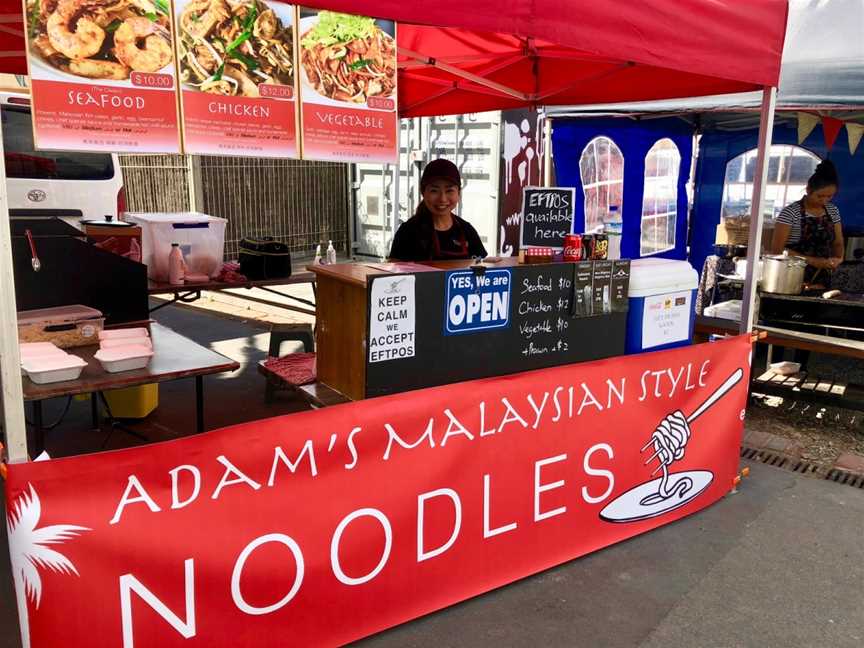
[[662, 304]]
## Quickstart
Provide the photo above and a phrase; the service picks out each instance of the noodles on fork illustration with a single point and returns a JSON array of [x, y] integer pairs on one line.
[[669, 442]]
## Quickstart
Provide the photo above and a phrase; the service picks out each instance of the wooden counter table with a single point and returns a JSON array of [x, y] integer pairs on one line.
[[537, 322]]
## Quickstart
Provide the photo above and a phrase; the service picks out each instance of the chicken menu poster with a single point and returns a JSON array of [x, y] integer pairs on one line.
[[347, 87], [237, 77], [102, 75]]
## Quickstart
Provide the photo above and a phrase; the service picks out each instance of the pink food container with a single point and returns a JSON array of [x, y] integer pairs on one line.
[[124, 358], [123, 333]]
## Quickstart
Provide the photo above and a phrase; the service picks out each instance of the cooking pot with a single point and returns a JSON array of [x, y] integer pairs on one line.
[[783, 274]]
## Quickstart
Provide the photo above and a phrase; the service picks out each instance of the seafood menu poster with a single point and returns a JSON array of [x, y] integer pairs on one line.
[[237, 77], [102, 75], [347, 81]]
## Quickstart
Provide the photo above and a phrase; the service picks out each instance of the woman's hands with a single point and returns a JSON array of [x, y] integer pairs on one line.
[[831, 263]]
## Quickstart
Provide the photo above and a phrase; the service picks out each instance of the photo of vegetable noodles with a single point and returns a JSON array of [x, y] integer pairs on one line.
[[231, 47], [101, 39], [348, 58]]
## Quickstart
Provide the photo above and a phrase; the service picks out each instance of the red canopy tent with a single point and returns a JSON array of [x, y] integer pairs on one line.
[[460, 56]]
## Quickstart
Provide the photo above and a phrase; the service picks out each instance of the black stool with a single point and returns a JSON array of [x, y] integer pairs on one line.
[[287, 333]]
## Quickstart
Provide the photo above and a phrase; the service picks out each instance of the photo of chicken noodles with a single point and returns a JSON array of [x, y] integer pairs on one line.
[[348, 58], [101, 39], [231, 47]]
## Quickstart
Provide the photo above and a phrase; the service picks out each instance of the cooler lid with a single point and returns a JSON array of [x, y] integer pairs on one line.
[[73, 313], [172, 217], [658, 276]]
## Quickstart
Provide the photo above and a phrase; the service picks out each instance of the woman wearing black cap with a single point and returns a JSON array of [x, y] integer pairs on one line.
[[810, 228], [435, 232]]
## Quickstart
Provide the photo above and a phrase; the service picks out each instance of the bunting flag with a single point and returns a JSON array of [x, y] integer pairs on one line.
[[806, 124], [854, 131], [831, 128]]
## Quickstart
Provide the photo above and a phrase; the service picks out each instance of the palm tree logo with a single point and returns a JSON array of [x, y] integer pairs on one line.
[[29, 550]]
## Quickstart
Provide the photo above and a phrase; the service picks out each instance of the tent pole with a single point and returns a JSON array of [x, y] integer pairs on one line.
[[10, 361], [760, 177], [547, 150]]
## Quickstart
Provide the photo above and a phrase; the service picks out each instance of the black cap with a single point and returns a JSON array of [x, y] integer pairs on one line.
[[440, 169]]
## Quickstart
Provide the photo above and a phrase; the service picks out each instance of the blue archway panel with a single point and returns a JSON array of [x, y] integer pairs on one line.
[[635, 138]]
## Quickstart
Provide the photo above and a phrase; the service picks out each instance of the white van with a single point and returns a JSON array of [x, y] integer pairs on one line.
[[72, 186]]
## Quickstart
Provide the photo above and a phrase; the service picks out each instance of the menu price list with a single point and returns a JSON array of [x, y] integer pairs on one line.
[[548, 301]]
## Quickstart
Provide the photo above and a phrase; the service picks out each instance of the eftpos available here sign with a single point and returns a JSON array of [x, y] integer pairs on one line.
[[477, 302], [391, 318]]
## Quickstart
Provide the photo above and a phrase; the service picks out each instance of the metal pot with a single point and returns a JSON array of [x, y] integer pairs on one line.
[[783, 274]]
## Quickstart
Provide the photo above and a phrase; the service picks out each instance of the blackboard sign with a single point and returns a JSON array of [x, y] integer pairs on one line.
[[506, 320], [547, 216]]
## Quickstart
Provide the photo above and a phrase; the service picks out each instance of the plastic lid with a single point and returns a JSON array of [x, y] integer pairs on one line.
[[72, 313], [52, 362], [174, 217], [658, 276], [123, 353], [115, 334]]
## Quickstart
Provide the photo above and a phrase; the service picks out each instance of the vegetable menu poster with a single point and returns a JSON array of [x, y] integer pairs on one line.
[[102, 75], [347, 87], [125, 75], [237, 77]]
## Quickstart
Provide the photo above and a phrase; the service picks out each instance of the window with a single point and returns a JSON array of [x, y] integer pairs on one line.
[[601, 169], [789, 167], [22, 161], [660, 197]]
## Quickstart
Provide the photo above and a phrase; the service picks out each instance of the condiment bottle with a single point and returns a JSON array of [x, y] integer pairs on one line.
[[176, 265], [331, 252], [317, 259]]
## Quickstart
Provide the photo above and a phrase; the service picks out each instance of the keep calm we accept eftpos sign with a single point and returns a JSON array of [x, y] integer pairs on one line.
[[322, 527], [547, 216]]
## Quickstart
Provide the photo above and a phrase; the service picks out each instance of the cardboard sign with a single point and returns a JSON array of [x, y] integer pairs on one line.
[[666, 319], [347, 73], [238, 78], [321, 527], [106, 85], [547, 216], [391, 318]]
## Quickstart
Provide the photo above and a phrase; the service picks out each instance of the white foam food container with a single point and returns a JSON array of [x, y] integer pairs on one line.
[[53, 368], [123, 333], [124, 358], [785, 368], [113, 343], [650, 277]]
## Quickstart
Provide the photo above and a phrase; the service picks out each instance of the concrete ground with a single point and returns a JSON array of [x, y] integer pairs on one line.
[[780, 563]]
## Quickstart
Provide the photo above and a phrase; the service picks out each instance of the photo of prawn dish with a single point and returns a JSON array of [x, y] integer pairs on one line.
[[230, 48], [100, 39], [347, 58]]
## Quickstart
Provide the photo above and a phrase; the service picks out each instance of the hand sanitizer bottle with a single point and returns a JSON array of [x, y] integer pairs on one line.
[[331, 252], [317, 259]]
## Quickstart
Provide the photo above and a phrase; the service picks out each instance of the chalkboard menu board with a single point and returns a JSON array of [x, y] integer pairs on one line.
[[505, 320], [547, 216]]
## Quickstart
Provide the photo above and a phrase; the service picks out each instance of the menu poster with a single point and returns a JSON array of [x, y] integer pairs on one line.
[[102, 75], [237, 77], [547, 216], [347, 87]]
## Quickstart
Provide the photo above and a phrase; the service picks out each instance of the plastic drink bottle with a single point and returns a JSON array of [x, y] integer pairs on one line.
[[176, 265], [331, 252]]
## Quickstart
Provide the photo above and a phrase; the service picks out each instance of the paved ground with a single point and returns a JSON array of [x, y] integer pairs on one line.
[[780, 563]]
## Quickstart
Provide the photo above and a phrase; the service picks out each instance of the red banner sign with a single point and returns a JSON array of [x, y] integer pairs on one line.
[[102, 82], [237, 78], [322, 527], [347, 77]]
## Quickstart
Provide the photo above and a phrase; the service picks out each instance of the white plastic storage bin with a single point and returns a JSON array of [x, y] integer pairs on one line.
[[662, 304], [201, 238]]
